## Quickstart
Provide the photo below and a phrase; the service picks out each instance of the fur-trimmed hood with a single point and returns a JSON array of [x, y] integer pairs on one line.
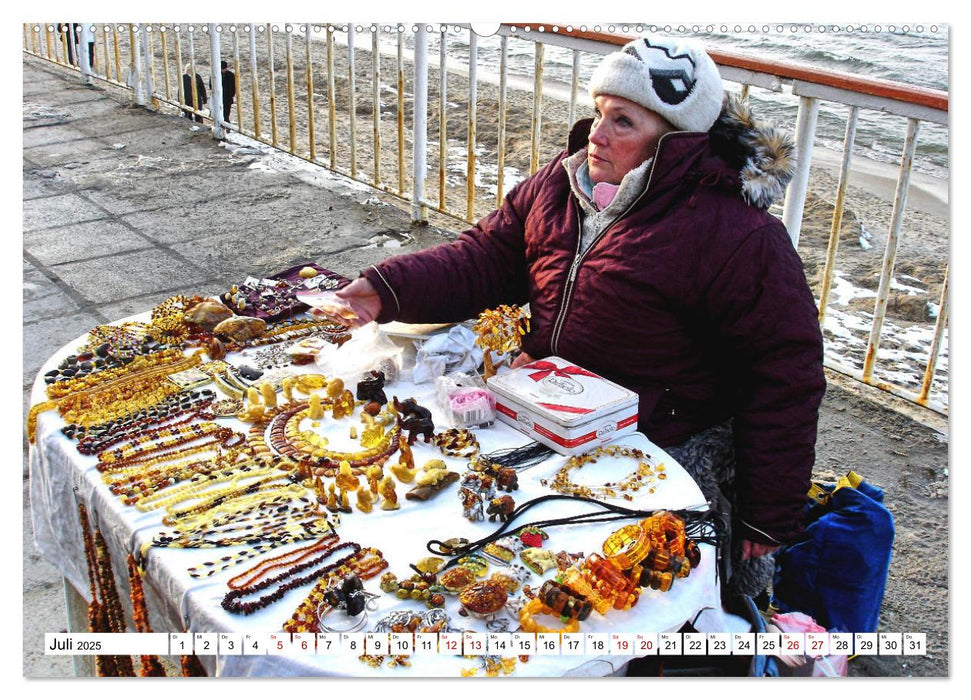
[[755, 159], [763, 154]]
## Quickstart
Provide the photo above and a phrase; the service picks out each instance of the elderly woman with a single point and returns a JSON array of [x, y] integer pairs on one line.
[[647, 255]]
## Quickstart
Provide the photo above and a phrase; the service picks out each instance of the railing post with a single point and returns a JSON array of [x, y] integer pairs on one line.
[[136, 78], [62, 32], [269, 51], [574, 89], [890, 254], [501, 148], [216, 80], [180, 68], [49, 36], [331, 100], [473, 119], [401, 109], [165, 60], [114, 39], [420, 139], [147, 84], [193, 72], [352, 97], [150, 65], [376, 100], [238, 94], [86, 39], [254, 82], [795, 200], [935, 344], [834, 233], [537, 121], [442, 118], [291, 98], [311, 128]]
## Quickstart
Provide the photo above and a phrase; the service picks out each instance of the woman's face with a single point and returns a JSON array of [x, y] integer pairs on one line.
[[623, 136]]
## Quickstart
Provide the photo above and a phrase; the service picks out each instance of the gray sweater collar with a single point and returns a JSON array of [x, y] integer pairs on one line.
[[631, 186]]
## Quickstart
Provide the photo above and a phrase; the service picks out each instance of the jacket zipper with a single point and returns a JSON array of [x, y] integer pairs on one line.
[[578, 258], [568, 288]]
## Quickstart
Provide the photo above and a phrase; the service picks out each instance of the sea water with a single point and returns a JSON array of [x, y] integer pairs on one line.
[[911, 54]]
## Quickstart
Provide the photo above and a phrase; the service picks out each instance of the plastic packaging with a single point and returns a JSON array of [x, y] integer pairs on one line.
[[465, 400], [368, 349], [454, 351]]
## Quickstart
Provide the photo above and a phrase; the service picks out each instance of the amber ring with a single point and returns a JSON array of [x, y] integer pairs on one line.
[[627, 546], [357, 622]]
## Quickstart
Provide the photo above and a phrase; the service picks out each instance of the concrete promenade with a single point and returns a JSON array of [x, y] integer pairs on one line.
[[124, 207]]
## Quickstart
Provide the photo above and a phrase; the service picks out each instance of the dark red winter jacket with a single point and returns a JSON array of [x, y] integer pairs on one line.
[[694, 298]]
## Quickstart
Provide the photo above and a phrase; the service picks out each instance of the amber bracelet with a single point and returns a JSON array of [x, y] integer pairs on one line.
[[537, 607], [627, 546]]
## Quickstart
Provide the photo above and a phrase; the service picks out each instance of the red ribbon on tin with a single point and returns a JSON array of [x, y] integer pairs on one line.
[[566, 409], [546, 368]]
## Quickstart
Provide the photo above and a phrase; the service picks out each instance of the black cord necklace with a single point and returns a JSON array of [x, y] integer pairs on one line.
[[517, 458], [701, 526]]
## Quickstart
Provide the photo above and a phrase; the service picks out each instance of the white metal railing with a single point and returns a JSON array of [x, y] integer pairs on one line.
[[132, 57]]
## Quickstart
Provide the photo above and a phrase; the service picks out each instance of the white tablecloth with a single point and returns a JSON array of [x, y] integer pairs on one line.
[[178, 602]]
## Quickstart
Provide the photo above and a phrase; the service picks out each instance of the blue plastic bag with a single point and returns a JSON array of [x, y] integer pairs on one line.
[[837, 573]]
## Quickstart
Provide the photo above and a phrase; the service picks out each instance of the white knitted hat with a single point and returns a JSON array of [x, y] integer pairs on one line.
[[674, 78]]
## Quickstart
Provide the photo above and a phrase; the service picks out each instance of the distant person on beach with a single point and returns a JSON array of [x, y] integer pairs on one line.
[[229, 89], [75, 31], [647, 255], [200, 97]]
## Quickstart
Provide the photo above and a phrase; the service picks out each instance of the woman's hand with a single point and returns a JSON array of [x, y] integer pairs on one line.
[[756, 549], [521, 359], [363, 300]]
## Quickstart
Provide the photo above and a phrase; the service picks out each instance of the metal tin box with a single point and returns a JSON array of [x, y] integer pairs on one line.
[[564, 406]]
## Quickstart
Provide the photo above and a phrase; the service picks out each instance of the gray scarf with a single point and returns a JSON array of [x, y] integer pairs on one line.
[[595, 220]]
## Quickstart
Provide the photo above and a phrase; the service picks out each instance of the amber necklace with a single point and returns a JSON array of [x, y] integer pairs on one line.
[[159, 440], [316, 526], [645, 476], [224, 509], [235, 494], [232, 474], [93, 445], [261, 570], [151, 666], [289, 579], [205, 444], [115, 398], [95, 438], [285, 438], [142, 483]]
